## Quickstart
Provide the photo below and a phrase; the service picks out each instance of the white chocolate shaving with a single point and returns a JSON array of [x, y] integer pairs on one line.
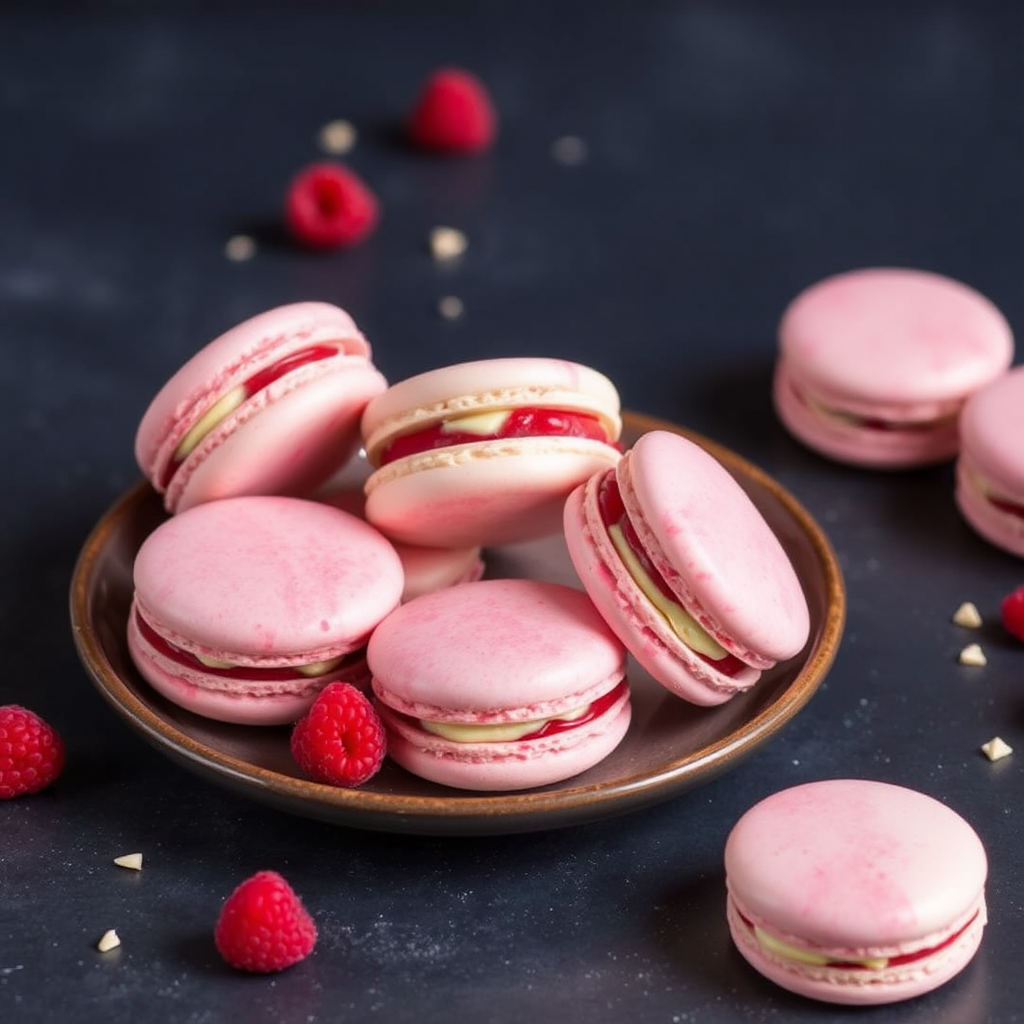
[[482, 423], [108, 940], [337, 137], [133, 861], [996, 749], [447, 243], [973, 655], [967, 615], [240, 248], [450, 307]]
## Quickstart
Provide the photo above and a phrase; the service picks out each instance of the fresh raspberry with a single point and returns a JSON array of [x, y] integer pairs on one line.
[[328, 207], [340, 741], [1012, 611], [453, 114], [31, 752], [263, 926]]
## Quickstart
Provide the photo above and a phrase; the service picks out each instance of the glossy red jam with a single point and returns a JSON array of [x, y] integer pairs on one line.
[[554, 726], [1009, 508], [613, 513], [190, 661], [520, 423], [262, 379]]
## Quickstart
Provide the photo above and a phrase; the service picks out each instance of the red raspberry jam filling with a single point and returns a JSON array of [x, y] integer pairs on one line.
[[613, 513], [1010, 508], [188, 660], [892, 961], [258, 381], [520, 423]]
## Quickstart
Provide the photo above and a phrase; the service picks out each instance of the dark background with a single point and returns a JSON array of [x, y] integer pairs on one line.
[[737, 153]]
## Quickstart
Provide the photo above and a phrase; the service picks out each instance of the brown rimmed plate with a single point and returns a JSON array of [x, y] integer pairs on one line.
[[670, 746]]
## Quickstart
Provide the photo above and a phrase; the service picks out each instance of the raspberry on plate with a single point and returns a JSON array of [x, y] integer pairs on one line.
[[1012, 613], [329, 207], [453, 114], [263, 926], [340, 740], [31, 752]]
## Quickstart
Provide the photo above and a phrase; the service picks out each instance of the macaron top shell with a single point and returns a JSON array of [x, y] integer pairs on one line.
[[714, 548], [494, 651], [266, 580], [292, 446], [992, 432], [855, 864], [892, 341], [487, 385]]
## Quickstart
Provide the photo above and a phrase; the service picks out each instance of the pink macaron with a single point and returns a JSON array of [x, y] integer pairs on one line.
[[485, 453], [425, 569], [686, 571], [499, 685], [852, 891], [990, 470], [270, 407], [246, 608], [874, 365]]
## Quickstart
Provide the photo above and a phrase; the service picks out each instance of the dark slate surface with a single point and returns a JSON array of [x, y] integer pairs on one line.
[[738, 152]]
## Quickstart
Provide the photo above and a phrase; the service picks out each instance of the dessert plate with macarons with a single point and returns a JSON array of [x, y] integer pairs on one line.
[[664, 744]]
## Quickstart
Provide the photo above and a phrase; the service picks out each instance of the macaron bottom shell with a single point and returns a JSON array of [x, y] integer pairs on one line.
[[859, 986], [1003, 528], [513, 765], [487, 493], [856, 442]]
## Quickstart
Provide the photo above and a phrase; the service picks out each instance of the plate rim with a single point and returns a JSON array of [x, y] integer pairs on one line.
[[470, 813]]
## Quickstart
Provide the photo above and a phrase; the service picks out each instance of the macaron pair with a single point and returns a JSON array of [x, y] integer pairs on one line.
[[852, 891], [245, 608], [424, 569], [874, 365], [486, 452], [990, 469], [499, 685], [685, 569], [270, 407]]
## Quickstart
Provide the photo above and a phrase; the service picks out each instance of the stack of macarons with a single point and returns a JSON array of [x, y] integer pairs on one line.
[[893, 368], [288, 561]]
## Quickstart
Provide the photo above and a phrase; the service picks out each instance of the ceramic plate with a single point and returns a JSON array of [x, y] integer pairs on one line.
[[670, 746]]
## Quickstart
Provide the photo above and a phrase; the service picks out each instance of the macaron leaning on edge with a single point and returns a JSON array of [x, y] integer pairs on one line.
[[990, 469], [853, 891], [875, 364], [499, 685], [245, 608], [485, 453], [270, 407], [686, 571]]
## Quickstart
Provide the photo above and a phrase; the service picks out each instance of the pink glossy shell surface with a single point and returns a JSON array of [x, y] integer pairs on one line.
[[851, 864], [266, 580], [893, 342], [494, 651], [714, 548]]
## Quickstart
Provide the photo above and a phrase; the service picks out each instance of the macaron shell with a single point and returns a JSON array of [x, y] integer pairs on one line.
[[631, 615], [854, 864], [714, 548], [992, 429], [999, 527], [885, 341], [859, 987], [266, 580], [495, 651], [524, 764], [286, 440], [484, 493], [468, 388], [858, 443]]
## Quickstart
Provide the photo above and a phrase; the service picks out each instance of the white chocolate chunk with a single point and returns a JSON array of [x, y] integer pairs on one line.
[[682, 623], [973, 655], [133, 861], [996, 749], [450, 307], [240, 248], [447, 243], [337, 137], [967, 615], [482, 423], [108, 940], [462, 732], [220, 409]]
